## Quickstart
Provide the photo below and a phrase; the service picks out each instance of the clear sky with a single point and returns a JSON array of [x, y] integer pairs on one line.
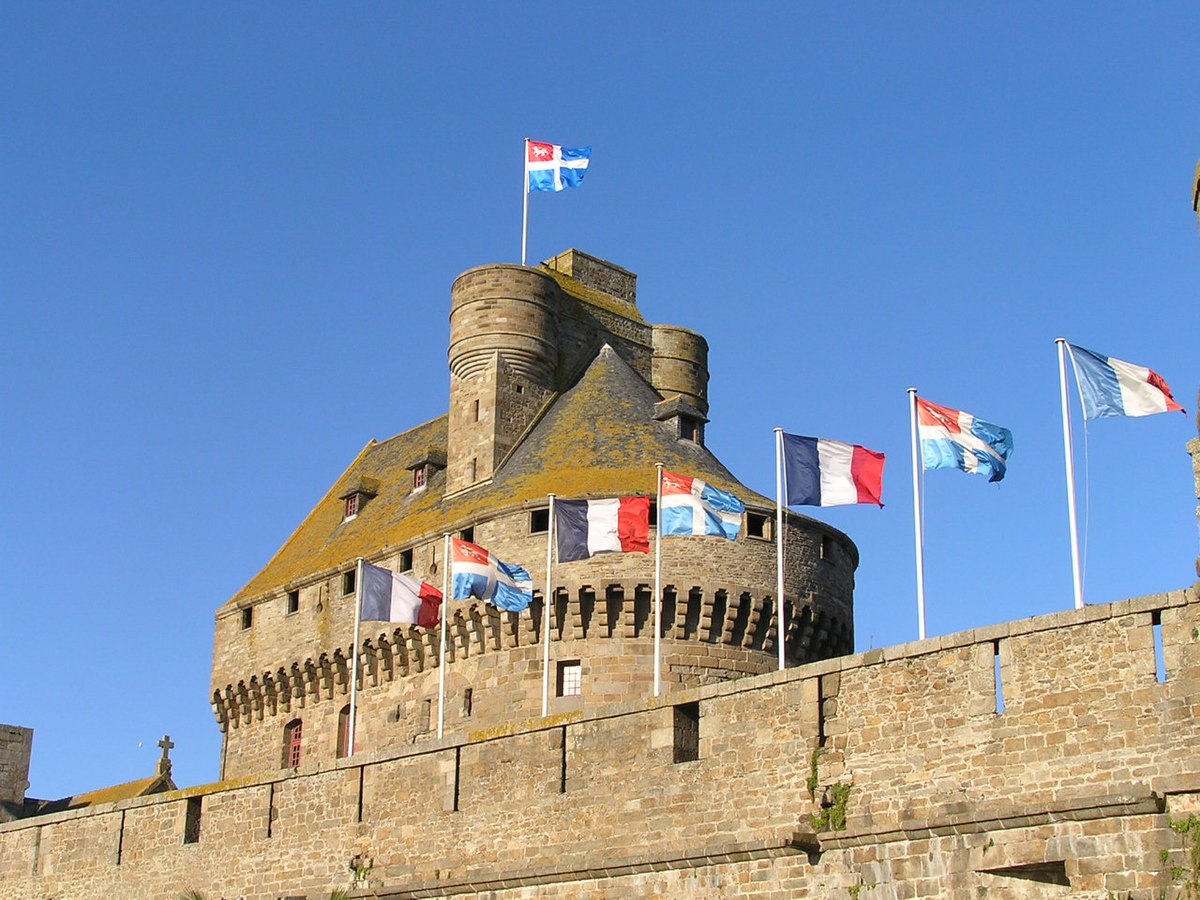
[[228, 234]]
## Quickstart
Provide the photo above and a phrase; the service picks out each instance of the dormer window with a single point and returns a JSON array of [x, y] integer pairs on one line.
[[359, 494], [684, 419], [425, 466]]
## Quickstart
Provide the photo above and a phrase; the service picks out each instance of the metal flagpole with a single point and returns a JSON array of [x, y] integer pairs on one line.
[[547, 611], [442, 642], [1069, 452], [779, 498], [525, 213], [658, 583], [918, 513], [352, 729]]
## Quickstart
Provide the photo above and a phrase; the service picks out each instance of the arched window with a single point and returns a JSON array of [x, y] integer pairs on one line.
[[343, 739], [292, 733]]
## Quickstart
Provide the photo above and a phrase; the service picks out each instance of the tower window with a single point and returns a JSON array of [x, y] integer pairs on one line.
[[247, 617], [687, 732], [419, 477], [406, 560], [343, 734], [689, 429], [475, 411], [539, 521], [293, 602], [468, 534], [758, 525], [570, 678], [292, 734], [351, 507], [348, 582]]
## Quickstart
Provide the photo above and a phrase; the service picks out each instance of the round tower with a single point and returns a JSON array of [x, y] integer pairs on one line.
[[680, 365], [506, 309]]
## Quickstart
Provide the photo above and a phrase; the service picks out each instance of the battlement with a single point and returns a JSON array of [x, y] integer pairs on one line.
[[896, 769]]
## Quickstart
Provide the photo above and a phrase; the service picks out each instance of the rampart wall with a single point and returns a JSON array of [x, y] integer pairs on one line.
[[883, 775]]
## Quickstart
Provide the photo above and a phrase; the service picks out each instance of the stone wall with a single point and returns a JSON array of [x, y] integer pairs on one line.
[[895, 773]]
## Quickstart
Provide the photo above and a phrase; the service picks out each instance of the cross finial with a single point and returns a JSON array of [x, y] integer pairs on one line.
[[164, 764]]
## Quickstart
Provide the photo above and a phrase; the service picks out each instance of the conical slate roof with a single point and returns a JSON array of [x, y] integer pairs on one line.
[[598, 438]]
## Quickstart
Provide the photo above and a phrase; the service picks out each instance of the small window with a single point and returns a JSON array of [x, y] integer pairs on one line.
[[292, 734], [419, 476], [351, 507], [539, 521], [570, 678], [475, 411], [827, 547], [689, 429], [191, 820], [758, 525], [348, 582], [406, 560], [293, 602], [653, 513], [343, 734], [687, 732], [474, 469], [247, 617], [468, 534], [520, 388], [467, 703]]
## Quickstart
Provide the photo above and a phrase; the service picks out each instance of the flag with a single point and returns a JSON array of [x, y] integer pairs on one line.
[[1111, 387], [477, 572], [391, 597], [584, 528], [951, 439], [692, 506], [831, 473], [549, 167]]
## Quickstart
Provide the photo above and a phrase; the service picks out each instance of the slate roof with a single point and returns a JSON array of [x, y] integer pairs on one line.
[[598, 438]]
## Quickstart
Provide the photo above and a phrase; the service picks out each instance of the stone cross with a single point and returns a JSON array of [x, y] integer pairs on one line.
[[164, 764]]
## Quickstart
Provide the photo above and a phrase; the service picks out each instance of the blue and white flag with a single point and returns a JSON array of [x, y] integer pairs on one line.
[[1113, 387], [694, 507], [477, 572], [549, 167], [952, 439]]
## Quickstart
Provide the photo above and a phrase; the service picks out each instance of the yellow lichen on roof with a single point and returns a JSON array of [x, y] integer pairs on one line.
[[594, 297]]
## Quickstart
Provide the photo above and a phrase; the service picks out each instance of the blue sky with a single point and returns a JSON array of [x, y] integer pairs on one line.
[[229, 232]]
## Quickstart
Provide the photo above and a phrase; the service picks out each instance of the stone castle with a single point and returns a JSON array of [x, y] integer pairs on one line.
[[1044, 758]]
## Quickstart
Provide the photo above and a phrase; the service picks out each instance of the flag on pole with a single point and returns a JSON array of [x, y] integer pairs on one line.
[[584, 528], [391, 597], [952, 439], [477, 572], [694, 507], [831, 473], [549, 167], [1112, 387]]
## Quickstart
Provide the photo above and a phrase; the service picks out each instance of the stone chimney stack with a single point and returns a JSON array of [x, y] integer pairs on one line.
[[16, 747]]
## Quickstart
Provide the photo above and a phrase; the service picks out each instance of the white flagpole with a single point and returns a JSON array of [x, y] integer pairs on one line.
[[525, 213], [547, 611], [351, 730], [779, 500], [1069, 452], [658, 583], [442, 642], [918, 513]]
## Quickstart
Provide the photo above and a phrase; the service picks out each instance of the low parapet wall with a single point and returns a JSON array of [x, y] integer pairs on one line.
[[895, 770]]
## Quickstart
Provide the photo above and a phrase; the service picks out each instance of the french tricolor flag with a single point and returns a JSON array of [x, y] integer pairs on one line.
[[1112, 387], [831, 473], [584, 528], [391, 597]]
